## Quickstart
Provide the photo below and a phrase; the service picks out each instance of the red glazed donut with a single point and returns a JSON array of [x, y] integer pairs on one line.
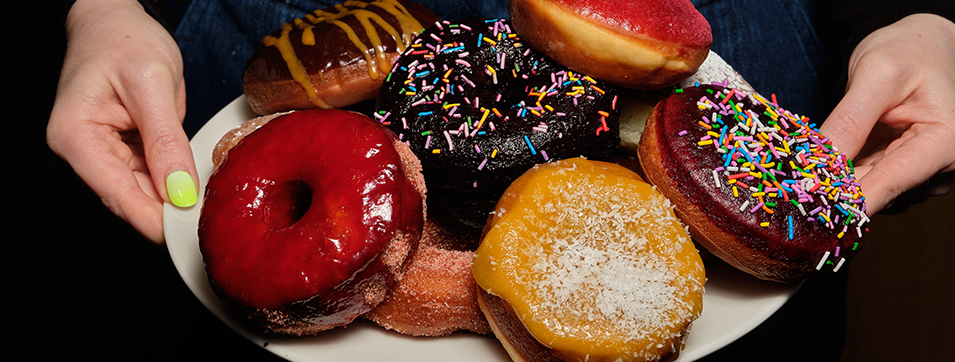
[[636, 44], [308, 219]]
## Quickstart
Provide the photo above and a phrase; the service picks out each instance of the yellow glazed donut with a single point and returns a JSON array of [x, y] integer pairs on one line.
[[583, 261]]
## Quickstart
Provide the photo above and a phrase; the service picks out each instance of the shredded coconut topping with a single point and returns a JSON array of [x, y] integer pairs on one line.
[[606, 265]]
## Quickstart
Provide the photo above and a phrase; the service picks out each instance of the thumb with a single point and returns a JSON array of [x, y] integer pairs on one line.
[[865, 101], [158, 107]]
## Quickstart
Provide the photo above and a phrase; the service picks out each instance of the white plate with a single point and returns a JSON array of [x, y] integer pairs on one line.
[[734, 303]]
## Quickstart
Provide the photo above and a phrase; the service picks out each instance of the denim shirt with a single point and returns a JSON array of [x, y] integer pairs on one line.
[[772, 43]]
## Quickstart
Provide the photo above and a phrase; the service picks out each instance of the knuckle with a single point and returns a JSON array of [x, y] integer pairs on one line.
[[153, 71], [163, 141]]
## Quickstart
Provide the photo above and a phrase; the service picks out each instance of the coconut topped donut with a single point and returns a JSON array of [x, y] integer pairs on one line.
[[479, 108], [758, 185], [583, 261]]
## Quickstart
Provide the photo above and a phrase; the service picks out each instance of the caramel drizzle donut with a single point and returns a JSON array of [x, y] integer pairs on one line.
[[368, 20]]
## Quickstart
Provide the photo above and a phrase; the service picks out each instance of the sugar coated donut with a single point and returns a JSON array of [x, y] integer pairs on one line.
[[637, 44], [479, 108], [758, 186], [436, 294], [333, 57], [308, 219], [583, 261]]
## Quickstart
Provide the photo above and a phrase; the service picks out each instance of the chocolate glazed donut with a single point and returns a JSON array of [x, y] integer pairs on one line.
[[479, 107], [331, 58]]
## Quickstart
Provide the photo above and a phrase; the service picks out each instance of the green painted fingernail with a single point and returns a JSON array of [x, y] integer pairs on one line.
[[181, 189]]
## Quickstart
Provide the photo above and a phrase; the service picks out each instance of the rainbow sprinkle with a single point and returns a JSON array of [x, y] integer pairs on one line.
[[475, 83], [773, 157], [430, 83]]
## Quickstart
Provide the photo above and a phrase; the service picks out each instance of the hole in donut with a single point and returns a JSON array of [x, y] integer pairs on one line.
[[289, 202]]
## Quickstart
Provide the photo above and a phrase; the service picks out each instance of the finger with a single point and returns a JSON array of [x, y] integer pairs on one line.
[[147, 218], [849, 123], [181, 101], [124, 196], [153, 100], [93, 154], [904, 168], [135, 159]]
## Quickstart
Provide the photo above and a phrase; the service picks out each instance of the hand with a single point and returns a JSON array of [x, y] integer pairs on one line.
[[117, 118], [897, 119]]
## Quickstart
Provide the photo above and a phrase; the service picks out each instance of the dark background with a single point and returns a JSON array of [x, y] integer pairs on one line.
[[82, 283]]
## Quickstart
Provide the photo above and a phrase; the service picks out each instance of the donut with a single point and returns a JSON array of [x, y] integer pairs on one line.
[[636, 105], [308, 220], [583, 261], [478, 107], [635, 44], [333, 57], [436, 295], [236, 134], [758, 186]]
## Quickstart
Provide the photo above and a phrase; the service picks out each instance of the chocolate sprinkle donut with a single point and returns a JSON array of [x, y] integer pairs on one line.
[[479, 107]]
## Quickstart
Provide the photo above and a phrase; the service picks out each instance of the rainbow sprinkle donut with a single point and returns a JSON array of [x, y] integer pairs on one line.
[[758, 185]]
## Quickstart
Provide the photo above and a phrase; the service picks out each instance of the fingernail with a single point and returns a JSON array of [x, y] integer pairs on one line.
[[181, 189]]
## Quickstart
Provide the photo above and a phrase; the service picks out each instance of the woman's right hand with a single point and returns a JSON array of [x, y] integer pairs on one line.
[[117, 118]]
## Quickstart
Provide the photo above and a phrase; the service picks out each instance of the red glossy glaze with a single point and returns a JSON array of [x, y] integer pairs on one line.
[[654, 18], [298, 214]]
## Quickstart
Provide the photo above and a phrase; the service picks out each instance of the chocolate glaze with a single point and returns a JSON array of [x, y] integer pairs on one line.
[[458, 177], [690, 167], [300, 215]]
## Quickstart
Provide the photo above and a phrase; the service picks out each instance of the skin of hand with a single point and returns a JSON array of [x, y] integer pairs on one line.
[[117, 117], [897, 118]]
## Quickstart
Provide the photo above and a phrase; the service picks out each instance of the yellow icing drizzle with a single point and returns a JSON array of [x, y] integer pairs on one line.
[[378, 64], [295, 66]]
